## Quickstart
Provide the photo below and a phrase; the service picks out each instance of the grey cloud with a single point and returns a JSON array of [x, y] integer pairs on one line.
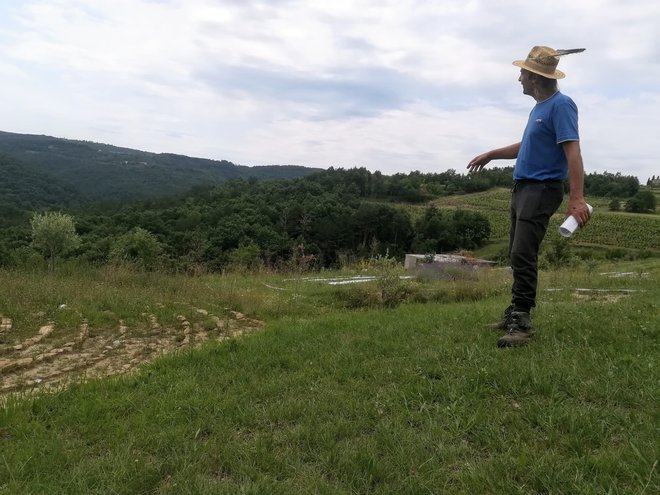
[[358, 45], [340, 93]]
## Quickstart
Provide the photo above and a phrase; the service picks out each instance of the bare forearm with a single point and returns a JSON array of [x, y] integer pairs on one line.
[[576, 203], [576, 178], [575, 170], [507, 153]]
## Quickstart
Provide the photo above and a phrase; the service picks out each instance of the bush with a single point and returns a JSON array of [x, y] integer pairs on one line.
[[139, 247], [616, 254], [27, 259], [388, 290], [556, 253], [246, 258], [393, 290]]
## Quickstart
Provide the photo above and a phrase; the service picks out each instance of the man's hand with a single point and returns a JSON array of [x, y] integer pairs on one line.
[[578, 208], [479, 162], [507, 153]]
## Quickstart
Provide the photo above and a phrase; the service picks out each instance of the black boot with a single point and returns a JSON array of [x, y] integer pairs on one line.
[[519, 331], [503, 324]]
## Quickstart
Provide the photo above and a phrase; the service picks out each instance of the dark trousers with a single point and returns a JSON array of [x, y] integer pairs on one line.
[[532, 205]]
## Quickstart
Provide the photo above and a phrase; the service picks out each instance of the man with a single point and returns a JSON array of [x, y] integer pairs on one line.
[[548, 153]]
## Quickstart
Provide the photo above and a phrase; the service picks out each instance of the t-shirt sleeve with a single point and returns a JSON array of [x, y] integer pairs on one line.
[[566, 121]]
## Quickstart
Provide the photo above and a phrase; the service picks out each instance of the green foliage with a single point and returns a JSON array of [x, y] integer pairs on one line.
[[53, 234], [139, 247], [557, 252], [337, 214], [615, 205], [642, 202], [610, 185], [105, 172], [27, 259], [27, 189], [246, 258], [5, 256], [265, 223], [391, 288], [440, 232]]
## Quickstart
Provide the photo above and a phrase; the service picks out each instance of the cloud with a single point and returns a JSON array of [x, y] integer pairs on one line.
[[394, 85]]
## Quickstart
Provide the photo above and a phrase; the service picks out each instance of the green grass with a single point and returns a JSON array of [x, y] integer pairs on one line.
[[414, 399], [107, 295]]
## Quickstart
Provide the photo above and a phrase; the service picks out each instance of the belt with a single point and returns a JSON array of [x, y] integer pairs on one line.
[[519, 183], [537, 181]]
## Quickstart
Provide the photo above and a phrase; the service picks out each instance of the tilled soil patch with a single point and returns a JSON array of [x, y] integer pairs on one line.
[[36, 364]]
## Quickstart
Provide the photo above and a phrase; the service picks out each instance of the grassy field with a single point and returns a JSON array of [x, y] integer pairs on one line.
[[339, 394]]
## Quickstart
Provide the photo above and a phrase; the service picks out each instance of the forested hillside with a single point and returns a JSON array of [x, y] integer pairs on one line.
[[182, 213], [316, 220], [102, 172], [313, 221], [25, 189], [320, 220]]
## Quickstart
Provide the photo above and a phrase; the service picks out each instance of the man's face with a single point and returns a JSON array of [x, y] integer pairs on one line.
[[525, 80]]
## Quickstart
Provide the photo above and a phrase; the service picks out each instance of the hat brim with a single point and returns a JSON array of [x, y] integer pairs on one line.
[[556, 75]]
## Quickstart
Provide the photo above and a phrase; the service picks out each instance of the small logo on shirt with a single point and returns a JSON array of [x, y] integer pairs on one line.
[[539, 120]]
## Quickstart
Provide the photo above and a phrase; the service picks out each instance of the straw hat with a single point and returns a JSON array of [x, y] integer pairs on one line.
[[542, 60]]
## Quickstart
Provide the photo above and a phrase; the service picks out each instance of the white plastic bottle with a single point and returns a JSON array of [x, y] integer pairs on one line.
[[570, 225]]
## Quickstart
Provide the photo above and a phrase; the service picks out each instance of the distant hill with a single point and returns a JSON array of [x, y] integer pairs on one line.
[[103, 172], [24, 189]]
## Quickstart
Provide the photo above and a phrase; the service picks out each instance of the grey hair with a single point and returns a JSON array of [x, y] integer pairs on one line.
[[546, 82]]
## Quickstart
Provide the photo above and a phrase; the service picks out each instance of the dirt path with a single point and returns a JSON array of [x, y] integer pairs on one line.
[[37, 364]]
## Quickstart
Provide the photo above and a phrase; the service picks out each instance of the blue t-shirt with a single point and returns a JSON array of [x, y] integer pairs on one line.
[[541, 155]]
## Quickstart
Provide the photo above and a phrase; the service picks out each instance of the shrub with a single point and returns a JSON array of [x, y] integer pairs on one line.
[[27, 259], [615, 205], [139, 247], [556, 253], [615, 253], [392, 289], [246, 258]]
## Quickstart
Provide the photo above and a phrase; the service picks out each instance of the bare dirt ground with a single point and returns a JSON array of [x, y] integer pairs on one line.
[[38, 363]]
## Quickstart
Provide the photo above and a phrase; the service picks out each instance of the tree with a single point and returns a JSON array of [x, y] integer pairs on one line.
[[53, 233], [438, 232], [642, 202]]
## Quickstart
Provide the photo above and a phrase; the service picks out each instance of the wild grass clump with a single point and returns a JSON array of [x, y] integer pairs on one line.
[[394, 286]]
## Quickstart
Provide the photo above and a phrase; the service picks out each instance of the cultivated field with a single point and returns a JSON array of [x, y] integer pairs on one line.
[[606, 228]]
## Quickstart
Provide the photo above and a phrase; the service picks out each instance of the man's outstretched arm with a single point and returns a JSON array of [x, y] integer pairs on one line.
[[507, 153]]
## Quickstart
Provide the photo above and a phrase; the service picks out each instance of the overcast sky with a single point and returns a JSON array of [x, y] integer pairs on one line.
[[391, 85]]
